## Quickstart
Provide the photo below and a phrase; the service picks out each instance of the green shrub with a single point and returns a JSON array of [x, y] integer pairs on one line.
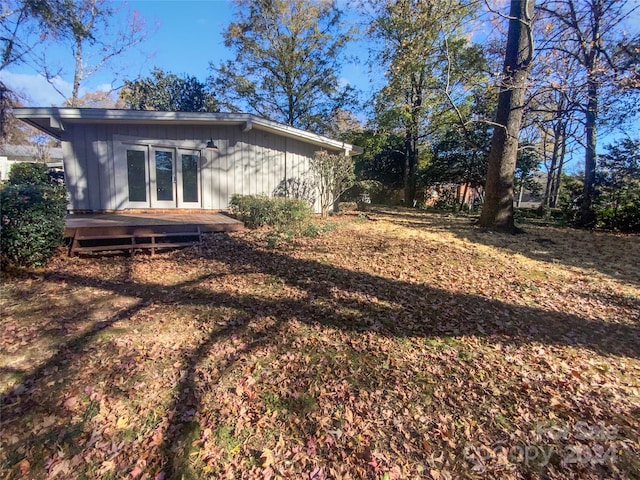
[[348, 206], [446, 203], [315, 229], [29, 174], [33, 208], [625, 218], [375, 190], [281, 213], [31, 222], [527, 212]]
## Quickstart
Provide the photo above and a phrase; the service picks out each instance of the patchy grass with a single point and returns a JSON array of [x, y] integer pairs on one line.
[[400, 345]]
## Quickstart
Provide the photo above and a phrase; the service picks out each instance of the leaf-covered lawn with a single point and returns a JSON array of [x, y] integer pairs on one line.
[[406, 345]]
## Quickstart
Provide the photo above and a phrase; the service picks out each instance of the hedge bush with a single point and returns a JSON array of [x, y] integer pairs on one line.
[[31, 218], [29, 174], [281, 213]]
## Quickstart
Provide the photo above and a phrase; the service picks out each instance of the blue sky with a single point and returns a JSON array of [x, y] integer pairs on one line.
[[184, 36]]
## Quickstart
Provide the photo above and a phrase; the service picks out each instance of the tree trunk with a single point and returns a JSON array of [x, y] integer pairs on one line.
[[587, 217], [77, 75], [520, 194], [464, 196], [497, 211], [406, 169], [411, 139], [555, 191], [410, 162], [551, 176], [546, 200]]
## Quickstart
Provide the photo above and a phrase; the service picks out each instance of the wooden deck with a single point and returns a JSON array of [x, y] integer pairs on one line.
[[115, 223], [101, 232]]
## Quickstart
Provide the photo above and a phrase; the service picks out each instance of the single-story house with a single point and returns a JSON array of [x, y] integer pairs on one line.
[[118, 160], [12, 154]]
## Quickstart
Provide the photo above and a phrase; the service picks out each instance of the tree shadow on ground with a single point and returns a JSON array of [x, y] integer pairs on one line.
[[604, 252], [329, 296]]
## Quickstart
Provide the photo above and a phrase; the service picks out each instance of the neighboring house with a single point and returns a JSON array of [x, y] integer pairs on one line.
[[526, 198], [11, 154], [459, 194], [131, 159]]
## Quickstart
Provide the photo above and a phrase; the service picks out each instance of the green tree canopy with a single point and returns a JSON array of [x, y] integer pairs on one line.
[[429, 67], [169, 92], [288, 55], [382, 159], [618, 186], [459, 157]]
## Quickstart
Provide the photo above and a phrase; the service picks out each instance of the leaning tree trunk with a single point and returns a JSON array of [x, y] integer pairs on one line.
[[464, 196], [497, 211], [555, 188]]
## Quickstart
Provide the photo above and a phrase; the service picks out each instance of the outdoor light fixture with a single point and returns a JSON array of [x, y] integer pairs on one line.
[[211, 145]]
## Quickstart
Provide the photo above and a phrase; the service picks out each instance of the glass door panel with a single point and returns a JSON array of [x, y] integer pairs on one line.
[[189, 179], [164, 176], [137, 175], [137, 178], [175, 178], [163, 179]]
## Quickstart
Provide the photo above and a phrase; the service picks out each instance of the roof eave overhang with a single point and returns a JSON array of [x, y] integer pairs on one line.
[[52, 121], [41, 119]]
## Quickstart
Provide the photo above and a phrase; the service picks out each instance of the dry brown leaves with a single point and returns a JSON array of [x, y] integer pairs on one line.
[[409, 345]]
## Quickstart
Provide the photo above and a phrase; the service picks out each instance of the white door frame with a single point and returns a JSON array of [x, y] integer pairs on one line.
[[145, 151], [180, 178], [156, 183], [149, 146]]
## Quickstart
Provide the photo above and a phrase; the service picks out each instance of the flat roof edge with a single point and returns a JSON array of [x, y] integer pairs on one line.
[[29, 114]]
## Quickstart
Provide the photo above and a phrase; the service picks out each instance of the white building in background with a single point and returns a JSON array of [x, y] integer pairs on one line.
[[11, 154]]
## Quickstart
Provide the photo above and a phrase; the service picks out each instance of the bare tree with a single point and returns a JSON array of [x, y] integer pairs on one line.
[[591, 33], [24, 24], [553, 107], [334, 175], [85, 26]]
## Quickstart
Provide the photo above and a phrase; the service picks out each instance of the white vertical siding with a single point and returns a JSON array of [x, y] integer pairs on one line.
[[250, 162]]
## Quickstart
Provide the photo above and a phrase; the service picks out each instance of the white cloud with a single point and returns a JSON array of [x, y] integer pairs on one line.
[[103, 87], [34, 90]]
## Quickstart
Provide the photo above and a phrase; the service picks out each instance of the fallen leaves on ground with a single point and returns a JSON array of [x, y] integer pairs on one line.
[[408, 345]]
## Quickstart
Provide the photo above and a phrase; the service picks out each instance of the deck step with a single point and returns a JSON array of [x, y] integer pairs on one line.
[[141, 235], [136, 241]]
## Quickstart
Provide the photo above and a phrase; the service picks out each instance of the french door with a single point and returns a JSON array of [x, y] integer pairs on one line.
[[167, 178]]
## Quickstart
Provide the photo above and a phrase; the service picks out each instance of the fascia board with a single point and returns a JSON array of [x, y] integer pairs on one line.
[[58, 116]]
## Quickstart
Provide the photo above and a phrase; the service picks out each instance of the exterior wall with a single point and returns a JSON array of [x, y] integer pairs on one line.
[[252, 162], [5, 166]]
